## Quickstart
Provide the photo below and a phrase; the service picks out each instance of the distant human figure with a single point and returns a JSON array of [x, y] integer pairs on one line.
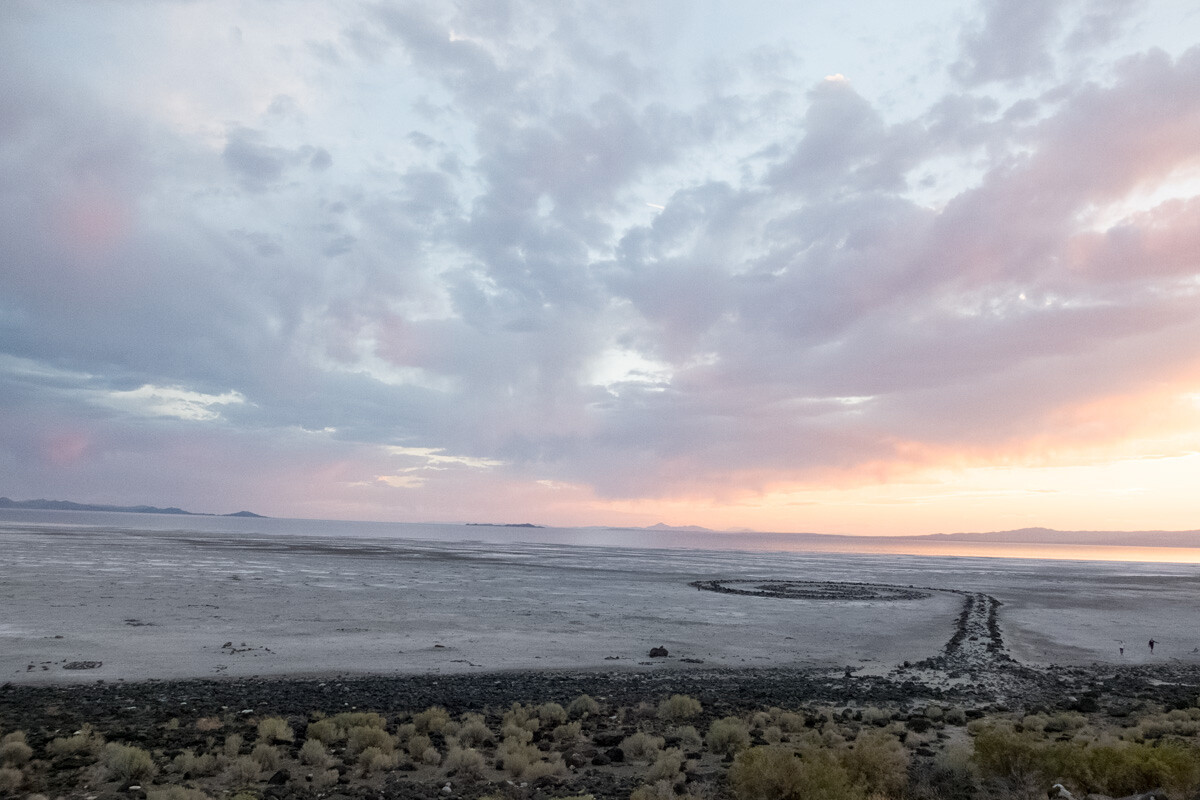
[[1152, 643], [1122, 649]]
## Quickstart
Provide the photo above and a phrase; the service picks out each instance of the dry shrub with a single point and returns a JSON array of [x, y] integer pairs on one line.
[[667, 767], [373, 759], [688, 737], [642, 746], [465, 762], [267, 756], [242, 771], [583, 706], [771, 773], [431, 720], [678, 708], [551, 767], [1116, 769], [727, 736], [326, 779], [360, 738], [552, 714], [772, 734], [417, 745], [84, 741], [209, 724], [565, 734], [314, 754], [520, 716], [474, 731], [876, 716], [526, 762], [190, 765], [275, 729], [789, 721], [233, 745], [431, 756], [175, 793], [14, 751], [878, 763], [127, 763], [11, 779], [358, 719], [325, 731]]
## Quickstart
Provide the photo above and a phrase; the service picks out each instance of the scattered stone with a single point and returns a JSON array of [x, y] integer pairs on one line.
[[81, 665], [658, 652]]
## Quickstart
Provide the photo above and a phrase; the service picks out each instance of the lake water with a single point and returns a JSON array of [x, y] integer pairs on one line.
[[601, 537], [187, 596]]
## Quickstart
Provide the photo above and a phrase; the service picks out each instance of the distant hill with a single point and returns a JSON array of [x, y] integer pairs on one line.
[[67, 505], [1050, 536]]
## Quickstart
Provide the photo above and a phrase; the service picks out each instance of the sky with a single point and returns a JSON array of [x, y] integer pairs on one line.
[[867, 268]]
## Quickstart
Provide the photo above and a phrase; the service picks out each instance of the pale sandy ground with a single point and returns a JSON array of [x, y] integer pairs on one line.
[[163, 605]]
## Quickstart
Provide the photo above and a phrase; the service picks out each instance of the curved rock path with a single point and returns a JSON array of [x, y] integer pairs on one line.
[[974, 660]]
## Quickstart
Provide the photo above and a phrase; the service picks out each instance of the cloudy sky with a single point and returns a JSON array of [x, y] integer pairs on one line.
[[875, 268]]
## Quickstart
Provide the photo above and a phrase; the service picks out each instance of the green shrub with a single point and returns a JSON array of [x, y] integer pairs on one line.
[[679, 708], [773, 773], [727, 736], [275, 729], [127, 763], [583, 706]]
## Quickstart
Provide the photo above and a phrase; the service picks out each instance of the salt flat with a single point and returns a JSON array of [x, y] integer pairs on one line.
[[179, 604]]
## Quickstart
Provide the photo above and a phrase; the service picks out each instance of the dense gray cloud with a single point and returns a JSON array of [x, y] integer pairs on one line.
[[521, 242]]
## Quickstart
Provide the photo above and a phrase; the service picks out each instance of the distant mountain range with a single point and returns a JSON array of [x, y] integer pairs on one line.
[[1021, 536], [67, 505]]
